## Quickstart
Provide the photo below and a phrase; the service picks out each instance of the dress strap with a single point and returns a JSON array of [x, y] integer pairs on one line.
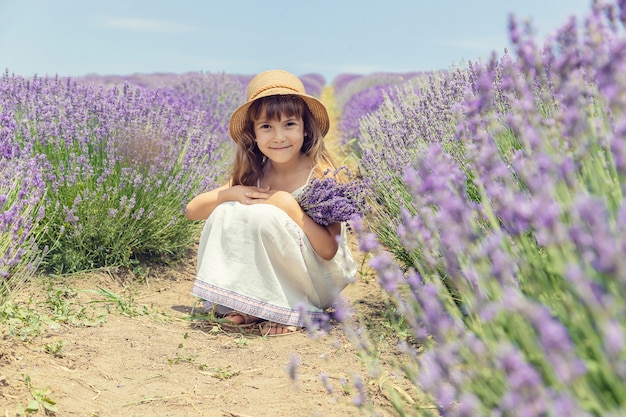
[[310, 175], [297, 192]]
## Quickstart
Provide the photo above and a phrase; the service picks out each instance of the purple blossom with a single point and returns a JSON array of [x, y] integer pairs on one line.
[[328, 386], [341, 309], [328, 200], [614, 338], [361, 397], [521, 377], [21, 202], [389, 276], [294, 364]]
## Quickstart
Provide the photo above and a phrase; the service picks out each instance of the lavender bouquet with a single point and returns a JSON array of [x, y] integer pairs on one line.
[[330, 200]]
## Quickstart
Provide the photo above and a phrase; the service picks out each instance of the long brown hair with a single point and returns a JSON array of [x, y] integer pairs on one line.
[[249, 161]]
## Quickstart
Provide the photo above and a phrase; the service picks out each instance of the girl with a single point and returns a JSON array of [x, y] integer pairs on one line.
[[261, 259]]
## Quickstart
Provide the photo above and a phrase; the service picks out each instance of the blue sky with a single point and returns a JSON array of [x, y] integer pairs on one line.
[[329, 37]]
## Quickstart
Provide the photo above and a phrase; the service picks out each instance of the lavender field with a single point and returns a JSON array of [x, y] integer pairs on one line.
[[497, 225], [500, 222]]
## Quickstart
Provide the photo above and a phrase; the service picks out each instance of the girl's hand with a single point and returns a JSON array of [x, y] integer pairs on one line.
[[202, 205], [256, 195]]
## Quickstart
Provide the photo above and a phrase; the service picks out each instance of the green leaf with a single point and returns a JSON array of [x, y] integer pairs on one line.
[[48, 400], [50, 406], [32, 406]]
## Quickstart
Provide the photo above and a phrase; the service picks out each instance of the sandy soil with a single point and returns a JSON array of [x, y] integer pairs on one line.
[[136, 353]]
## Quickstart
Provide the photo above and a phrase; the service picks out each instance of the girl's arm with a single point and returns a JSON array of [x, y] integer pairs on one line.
[[202, 205]]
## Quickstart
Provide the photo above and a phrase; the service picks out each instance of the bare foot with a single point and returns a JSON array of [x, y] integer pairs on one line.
[[270, 328]]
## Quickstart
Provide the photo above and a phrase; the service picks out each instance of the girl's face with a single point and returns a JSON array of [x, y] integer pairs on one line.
[[280, 139]]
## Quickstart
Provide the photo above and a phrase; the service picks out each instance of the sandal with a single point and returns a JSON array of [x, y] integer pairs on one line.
[[272, 329], [247, 318], [249, 323]]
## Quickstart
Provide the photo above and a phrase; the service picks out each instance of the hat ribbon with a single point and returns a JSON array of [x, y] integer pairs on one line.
[[267, 87]]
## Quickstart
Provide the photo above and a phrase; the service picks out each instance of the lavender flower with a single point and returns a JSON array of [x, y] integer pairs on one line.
[[292, 367], [21, 209], [326, 382], [329, 200]]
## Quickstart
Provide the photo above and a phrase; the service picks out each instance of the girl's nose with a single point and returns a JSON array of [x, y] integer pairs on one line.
[[279, 134]]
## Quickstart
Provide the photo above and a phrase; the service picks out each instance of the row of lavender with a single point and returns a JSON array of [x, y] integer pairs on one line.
[[313, 83], [93, 176], [357, 95], [500, 224]]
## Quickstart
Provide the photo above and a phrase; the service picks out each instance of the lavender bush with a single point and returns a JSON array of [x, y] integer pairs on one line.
[[342, 81], [346, 85], [362, 96], [118, 164], [150, 81], [512, 222], [21, 192], [358, 105], [313, 84], [422, 112], [216, 95]]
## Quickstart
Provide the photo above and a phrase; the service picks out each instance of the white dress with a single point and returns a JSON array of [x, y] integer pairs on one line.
[[255, 259]]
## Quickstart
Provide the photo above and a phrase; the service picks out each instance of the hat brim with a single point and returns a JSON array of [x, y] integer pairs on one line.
[[238, 119]]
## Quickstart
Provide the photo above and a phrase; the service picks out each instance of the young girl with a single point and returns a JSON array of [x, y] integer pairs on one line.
[[261, 259]]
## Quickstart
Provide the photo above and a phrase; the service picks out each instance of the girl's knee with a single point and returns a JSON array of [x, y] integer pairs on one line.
[[287, 203], [282, 200]]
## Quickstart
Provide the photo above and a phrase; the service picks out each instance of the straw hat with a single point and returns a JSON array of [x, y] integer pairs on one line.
[[276, 82]]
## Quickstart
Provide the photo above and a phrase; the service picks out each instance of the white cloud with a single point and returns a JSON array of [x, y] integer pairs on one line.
[[144, 25]]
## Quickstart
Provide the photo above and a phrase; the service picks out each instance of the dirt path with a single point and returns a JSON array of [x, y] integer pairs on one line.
[[146, 358]]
